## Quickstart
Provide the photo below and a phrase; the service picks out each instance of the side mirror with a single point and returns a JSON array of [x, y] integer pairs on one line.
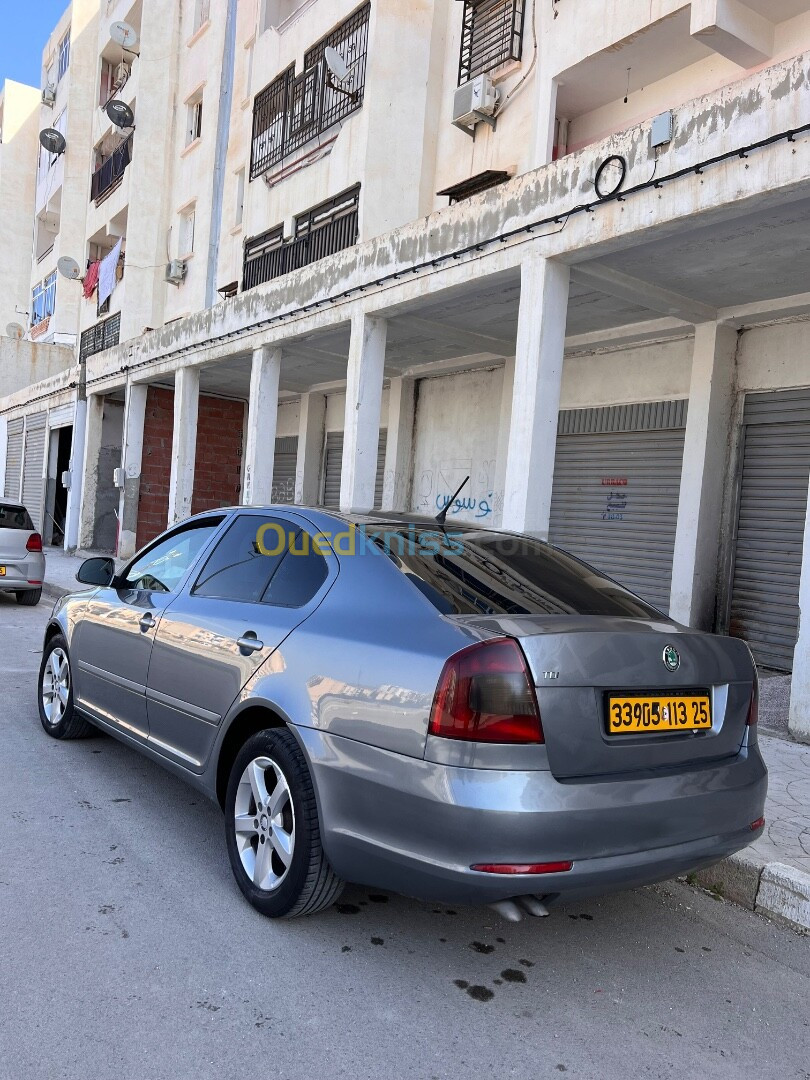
[[100, 571]]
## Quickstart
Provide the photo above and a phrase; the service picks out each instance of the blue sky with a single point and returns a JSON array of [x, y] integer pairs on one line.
[[25, 26]]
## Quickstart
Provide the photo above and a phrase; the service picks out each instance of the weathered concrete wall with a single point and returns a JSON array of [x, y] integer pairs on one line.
[[19, 114], [23, 363], [456, 435]]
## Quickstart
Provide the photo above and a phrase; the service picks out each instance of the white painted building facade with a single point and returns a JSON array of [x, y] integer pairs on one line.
[[625, 374]]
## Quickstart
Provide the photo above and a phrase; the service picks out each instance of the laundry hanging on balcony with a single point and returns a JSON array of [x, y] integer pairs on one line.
[[106, 273], [91, 279]]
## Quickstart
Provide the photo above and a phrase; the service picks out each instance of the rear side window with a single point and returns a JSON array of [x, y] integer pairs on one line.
[[15, 517], [263, 560], [242, 564], [476, 572]]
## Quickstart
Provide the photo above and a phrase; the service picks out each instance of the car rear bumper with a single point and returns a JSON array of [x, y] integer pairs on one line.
[[28, 573], [417, 827]]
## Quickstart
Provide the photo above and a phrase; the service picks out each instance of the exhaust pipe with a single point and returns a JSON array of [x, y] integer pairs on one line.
[[514, 910]]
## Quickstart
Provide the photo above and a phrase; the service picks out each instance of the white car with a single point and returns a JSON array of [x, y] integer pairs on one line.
[[22, 561]]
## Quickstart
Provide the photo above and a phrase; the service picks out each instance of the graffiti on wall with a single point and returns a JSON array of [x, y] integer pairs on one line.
[[433, 490]]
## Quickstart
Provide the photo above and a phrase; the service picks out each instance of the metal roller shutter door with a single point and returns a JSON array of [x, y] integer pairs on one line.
[[334, 467], [617, 480], [770, 525], [14, 454], [284, 465], [33, 464]]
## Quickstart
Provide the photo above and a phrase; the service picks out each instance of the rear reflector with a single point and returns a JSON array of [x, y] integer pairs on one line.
[[756, 825], [34, 542], [753, 708], [523, 868], [485, 694]]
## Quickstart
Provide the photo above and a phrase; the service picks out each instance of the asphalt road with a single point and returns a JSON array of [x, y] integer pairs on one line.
[[127, 951]]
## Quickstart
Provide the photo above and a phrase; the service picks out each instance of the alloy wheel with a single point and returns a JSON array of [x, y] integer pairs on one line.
[[55, 686], [264, 822]]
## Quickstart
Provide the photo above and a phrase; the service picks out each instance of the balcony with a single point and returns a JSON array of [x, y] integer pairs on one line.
[[102, 336], [109, 174], [326, 229], [296, 108]]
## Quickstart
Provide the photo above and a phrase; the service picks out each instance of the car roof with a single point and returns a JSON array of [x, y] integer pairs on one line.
[[390, 518]]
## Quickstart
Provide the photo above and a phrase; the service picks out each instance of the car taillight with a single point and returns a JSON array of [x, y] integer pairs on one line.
[[753, 708], [34, 542], [485, 694]]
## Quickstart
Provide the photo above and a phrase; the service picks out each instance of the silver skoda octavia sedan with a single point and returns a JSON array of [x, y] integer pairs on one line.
[[444, 711]]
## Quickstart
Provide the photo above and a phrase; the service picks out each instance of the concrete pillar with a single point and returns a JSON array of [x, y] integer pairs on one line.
[[260, 445], [697, 537], [74, 498], [799, 722], [364, 382], [536, 395], [545, 119], [89, 479], [399, 448], [504, 425], [311, 418], [131, 460], [184, 443]]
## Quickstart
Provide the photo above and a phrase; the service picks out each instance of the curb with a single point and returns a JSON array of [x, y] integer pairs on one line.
[[774, 889], [53, 592]]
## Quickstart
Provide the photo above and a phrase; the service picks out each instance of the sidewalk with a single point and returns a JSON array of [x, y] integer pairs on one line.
[[773, 874]]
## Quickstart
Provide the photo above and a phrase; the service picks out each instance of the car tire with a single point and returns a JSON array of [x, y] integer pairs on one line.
[[28, 597], [55, 694], [273, 832]]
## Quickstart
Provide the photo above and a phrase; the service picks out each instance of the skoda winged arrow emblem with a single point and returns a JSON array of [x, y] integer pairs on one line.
[[672, 658]]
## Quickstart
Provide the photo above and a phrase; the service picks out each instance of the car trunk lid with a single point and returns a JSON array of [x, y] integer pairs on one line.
[[577, 662]]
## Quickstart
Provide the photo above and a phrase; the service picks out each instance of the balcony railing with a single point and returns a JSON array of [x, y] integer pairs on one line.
[[108, 174], [295, 108], [323, 231], [100, 337]]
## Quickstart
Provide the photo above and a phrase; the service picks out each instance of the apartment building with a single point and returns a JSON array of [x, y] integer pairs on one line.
[[558, 246]]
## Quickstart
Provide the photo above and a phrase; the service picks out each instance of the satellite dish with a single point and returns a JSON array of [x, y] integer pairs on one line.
[[52, 140], [68, 267], [14, 330], [124, 35], [336, 64], [120, 113]]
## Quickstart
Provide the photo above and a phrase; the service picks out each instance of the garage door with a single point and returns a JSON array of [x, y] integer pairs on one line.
[[33, 463], [334, 466], [14, 453], [284, 464], [770, 525], [617, 479]]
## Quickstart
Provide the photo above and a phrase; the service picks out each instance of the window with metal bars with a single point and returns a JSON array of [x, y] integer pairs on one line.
[[292, 109], [491, 35], [323, 230], [102, 336]]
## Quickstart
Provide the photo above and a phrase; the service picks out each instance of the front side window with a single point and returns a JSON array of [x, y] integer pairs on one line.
[[491, 35], [163, 566], [477, 572]]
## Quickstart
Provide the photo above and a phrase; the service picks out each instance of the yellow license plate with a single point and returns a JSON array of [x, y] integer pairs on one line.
[[658, 712], [2, 571]]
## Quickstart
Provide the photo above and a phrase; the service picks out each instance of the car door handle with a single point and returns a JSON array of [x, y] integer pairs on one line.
[[147, 622], [249, 643]]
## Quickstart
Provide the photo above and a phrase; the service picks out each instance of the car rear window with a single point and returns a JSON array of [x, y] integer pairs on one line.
[[472, 572], [15, 517]]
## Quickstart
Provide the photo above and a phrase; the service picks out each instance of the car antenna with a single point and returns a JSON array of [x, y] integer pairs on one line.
[[442, 514]]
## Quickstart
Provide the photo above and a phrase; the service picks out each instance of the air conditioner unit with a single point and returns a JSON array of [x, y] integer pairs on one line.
[[175, 271], [49, 96], [474, 101], [121, 74]]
